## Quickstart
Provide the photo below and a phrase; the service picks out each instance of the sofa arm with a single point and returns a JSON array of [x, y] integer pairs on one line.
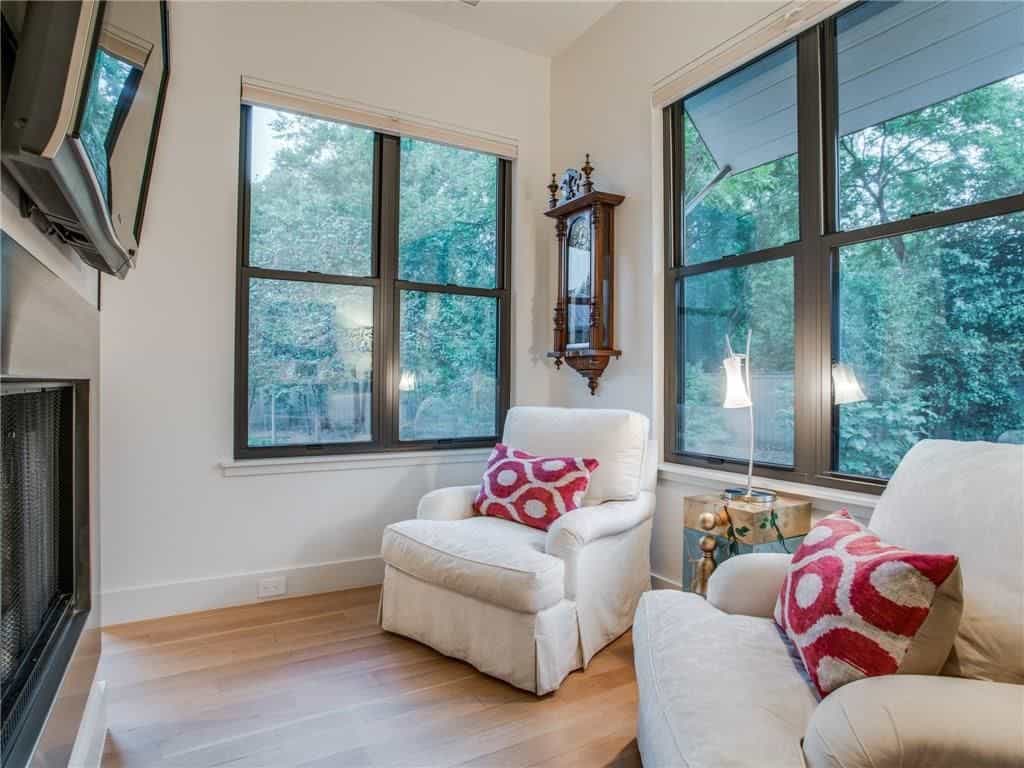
[[918, 721], [581, 526], [748, 584], [454, 503]]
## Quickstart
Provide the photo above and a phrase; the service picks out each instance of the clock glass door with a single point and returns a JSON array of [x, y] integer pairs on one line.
[[579, 276]]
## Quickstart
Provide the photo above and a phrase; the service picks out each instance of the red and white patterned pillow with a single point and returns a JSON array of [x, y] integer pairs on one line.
[[855, 607], [532, 490]]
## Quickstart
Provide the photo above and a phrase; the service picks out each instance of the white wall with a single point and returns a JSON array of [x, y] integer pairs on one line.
[[178, 534], [601, 89], [601, 103]]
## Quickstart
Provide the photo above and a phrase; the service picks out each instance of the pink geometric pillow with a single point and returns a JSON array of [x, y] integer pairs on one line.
[[855, 607], [532, 490]]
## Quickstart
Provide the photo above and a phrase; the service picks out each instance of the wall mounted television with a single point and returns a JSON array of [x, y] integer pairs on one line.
[[84, 87]]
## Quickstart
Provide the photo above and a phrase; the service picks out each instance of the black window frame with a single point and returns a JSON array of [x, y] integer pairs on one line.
[[387, 288], [815, 263]]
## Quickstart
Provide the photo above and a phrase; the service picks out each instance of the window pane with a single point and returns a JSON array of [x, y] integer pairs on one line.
[[449, 365], [740, 155], [931, 99], [448, 213], [731, 301], [931, 323], [311, 194], [310, 362]]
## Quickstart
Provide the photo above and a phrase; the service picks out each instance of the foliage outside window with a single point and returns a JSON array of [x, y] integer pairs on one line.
[[371, 295], [899, 255]]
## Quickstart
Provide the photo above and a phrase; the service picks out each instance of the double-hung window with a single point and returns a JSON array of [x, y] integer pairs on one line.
[[372, 296], [853, 199]]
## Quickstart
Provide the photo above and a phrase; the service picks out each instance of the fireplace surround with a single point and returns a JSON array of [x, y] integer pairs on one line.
[[49, 628]]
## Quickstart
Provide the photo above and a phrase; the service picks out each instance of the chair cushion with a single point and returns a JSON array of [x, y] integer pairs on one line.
[[716, 689], [855, 607], [532, 490], [617, 439], [488, 558]]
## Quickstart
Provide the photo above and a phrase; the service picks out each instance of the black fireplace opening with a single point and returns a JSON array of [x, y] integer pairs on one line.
[[45, 591]]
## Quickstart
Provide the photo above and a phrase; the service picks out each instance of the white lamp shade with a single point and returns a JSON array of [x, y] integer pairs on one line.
[[407, 383], [736, 395], [845, 387]]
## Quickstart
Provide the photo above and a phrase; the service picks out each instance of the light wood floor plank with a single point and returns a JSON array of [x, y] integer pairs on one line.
[[313, 682]]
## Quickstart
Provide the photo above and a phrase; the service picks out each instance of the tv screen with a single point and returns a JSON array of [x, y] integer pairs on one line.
[[112, 88], [118, 112]]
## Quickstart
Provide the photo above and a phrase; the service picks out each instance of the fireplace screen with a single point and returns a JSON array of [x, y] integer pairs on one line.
[[37, 539]]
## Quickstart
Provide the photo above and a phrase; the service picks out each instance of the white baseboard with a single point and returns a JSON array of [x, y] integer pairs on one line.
[[92, 732], [155, 600], [663, 582]]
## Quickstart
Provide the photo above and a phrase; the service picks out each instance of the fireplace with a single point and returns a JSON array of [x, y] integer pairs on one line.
[[37, 541], [49, 629]]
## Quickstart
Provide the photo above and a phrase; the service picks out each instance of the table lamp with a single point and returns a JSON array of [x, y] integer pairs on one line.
[[738, 395]]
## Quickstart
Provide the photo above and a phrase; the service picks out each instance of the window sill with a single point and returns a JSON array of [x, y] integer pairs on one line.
[[716, 479], [365, 461]]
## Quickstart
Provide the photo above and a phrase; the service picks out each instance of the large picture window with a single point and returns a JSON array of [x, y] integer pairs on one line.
[[372, 290], [854, 199]]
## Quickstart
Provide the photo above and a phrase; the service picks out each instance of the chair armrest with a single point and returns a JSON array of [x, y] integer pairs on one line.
[[569, 536], [748, 584], [581, 526], [903, 721], [454, 503]]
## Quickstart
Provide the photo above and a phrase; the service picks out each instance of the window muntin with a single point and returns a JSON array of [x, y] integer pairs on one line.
[[310, 367], [311, 191], [730, 302], [740, 161], [930, 107], [823, 451], [447, 222], [931, 324], [325, 321], [449, 366]]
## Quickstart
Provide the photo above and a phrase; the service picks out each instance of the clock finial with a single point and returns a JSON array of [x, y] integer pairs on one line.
[[587, 168], [553, 189]]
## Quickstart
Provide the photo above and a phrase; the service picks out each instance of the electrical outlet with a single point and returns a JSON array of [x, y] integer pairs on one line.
[[275, 586]]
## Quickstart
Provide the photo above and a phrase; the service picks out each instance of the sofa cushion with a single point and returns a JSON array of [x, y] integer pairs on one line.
[[617, 439], [968, 498], [716, 689], [483, 557], [532, 490], [856, 607]]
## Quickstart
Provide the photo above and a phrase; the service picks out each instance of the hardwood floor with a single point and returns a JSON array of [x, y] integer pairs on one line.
[[313, 682]]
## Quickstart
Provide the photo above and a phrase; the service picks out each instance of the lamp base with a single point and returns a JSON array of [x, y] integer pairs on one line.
[[756, 495]]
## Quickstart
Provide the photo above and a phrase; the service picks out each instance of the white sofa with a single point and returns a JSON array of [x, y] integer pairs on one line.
[[719, 685], [518, 603]]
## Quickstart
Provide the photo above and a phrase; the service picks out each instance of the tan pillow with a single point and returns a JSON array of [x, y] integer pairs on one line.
[[932, 643]]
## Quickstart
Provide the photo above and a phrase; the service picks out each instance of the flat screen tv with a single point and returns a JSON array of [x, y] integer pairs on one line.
[[83, 102]]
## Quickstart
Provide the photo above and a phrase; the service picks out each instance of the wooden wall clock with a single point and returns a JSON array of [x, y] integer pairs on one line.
[[584, 316]]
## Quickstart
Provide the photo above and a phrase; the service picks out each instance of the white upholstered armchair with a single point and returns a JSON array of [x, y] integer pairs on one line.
[[719, 686], [521, 604]]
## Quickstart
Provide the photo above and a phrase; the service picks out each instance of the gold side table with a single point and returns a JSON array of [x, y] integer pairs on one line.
[[715, 529]]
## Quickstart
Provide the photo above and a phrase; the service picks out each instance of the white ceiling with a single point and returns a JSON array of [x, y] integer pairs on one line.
[[546, 27]]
